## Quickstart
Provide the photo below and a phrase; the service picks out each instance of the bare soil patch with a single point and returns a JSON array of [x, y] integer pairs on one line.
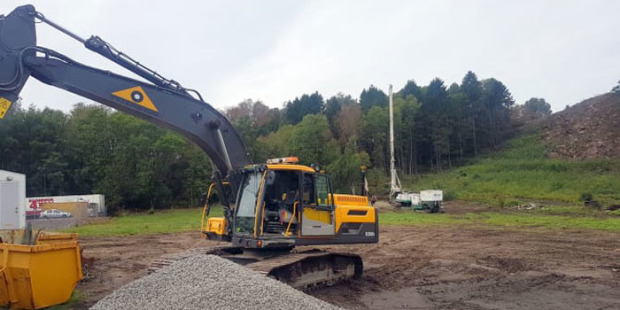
[[422, 268], [457, 268]]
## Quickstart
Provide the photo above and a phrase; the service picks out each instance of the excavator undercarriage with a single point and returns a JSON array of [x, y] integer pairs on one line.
[[302, 269]]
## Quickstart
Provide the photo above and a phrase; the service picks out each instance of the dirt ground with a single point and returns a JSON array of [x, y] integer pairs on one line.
[[422, 268]]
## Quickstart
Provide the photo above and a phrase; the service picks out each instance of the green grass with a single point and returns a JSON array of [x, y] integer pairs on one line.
[[501, 219], [522, 172], [557, 217], [76, 297], [168, 221], [570, 210]]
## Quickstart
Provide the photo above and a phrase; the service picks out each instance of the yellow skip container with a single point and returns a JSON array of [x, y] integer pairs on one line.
[[39, 275]]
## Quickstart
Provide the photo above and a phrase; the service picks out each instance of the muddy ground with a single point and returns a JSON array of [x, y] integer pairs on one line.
[[423, 268]]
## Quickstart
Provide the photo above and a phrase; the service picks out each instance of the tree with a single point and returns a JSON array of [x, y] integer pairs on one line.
[[260, 114], [497, 102], [306, 104], [373, 97], [454, 89], [273, 117], [460, 124], [312, 141], [261, 117], [472, 91], [345, 170], [91, 143], [249, 133], [333, 106], [435, 118], [348, 123], [33, 143], [616, 89], [411, 88], [405, 112], [276, 144], [375, 135], [537, 107], [138, 165], [243, 109]]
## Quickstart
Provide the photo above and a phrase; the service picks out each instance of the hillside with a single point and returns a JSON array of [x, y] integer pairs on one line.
[[588, 130], [577, 152], [523, 171]]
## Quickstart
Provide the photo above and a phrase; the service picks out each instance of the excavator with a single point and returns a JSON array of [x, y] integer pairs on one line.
[[269, 208]]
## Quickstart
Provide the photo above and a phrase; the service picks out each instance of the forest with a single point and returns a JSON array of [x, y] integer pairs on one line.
[[137, 165]]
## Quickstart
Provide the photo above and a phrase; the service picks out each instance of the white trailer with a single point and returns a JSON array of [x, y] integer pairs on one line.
[[96, 203], [408, 199], [431, 200], [431, 195], [12, 200]]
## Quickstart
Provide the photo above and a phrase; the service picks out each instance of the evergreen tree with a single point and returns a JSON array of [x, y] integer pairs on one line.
[[306, 104], [373, 97]]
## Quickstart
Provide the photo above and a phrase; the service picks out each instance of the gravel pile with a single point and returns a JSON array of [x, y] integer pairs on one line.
[[208, 282]]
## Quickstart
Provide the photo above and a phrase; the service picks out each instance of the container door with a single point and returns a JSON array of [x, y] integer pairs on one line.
[[318, 211], [9, 205]]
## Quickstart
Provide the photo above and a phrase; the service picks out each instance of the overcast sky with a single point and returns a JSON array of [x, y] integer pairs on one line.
[[563, 51]]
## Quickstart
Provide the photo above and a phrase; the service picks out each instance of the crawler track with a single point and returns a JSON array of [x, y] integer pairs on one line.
[[304, 270]]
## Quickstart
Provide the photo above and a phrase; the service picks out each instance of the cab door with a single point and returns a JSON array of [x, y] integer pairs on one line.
[[317, 217]]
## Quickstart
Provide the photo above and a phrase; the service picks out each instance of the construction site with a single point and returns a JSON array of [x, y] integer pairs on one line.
[[430, 197], [421, 267]]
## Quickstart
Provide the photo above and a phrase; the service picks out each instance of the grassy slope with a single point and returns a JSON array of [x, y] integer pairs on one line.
[[522, 171]]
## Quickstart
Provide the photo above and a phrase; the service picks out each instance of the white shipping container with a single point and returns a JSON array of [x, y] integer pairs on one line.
[[431, 195], [12, 204]]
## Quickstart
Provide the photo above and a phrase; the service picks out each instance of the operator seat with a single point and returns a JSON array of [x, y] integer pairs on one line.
[[288, 207]]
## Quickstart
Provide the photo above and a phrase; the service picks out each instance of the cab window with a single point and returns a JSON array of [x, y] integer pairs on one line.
[[322, 190], [309, 194], [246, 207]]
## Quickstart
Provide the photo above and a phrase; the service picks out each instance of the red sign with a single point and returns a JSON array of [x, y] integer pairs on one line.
[[34, 205]]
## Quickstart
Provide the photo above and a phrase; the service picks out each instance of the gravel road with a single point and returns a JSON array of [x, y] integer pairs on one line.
[[208, 282]]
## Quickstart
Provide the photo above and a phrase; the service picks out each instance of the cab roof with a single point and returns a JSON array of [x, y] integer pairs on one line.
[[290, 167]]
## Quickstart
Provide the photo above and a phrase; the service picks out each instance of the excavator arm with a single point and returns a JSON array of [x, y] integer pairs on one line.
[[161, 101]]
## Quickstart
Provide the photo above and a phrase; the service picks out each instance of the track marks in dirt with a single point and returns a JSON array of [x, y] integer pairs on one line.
[[457, 268]]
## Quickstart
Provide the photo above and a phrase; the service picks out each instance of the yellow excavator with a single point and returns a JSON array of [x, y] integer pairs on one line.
[[269, 208]]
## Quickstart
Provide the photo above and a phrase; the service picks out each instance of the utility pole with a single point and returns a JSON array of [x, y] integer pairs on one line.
[[395, 186]]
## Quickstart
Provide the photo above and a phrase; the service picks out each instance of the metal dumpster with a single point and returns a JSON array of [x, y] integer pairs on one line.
[[39, 275]]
